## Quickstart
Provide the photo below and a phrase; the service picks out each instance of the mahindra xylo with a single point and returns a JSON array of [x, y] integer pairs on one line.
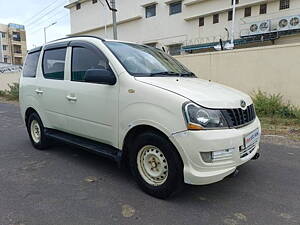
[[136, 104]]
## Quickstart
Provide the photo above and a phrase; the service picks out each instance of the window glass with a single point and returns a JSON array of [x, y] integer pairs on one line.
[[142, 60], [247, 11], [175, 8], [16, 36], [236, 2], [54, 63], [150, 11], [84, 59], [29, 68], [175, 49], [215, 18], [263, 9], [230, 13], [201, 21], [78, 6], [284, 4]]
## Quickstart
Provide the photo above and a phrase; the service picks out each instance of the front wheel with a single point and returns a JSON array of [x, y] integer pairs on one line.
[[156, 165]]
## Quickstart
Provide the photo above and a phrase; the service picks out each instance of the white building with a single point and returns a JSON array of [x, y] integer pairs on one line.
[[190, 25]]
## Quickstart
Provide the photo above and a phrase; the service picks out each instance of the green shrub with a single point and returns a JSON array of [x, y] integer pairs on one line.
[[12, 93], [273, 105]]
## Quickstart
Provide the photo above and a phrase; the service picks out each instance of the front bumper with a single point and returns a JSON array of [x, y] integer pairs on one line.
[[191, 143]]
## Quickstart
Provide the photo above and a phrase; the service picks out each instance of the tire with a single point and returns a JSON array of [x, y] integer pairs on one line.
[[156, 165], [36, 132]]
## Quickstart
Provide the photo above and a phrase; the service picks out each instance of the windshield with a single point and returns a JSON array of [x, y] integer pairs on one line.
[[142, 60]]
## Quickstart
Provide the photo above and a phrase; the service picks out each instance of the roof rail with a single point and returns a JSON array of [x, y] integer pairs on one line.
[[72, 36], [40, 47]]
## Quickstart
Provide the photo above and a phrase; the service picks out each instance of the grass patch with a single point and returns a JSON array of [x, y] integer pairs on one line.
[[277, 116], [12, 94]]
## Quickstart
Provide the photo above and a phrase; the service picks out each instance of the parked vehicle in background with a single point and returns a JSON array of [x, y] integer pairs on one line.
[[136, 104]]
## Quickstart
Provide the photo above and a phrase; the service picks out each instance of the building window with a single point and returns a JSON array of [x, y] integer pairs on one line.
[[16, 36], [247, 11], [78, 6], [201, 21], [150, 11], [3, 34], [17, 49], [5, 60], [175, 49], [263, 9], [236, 2], [284, 4], [4, 47], [215, 18], [230, 15], [175, 7], [94, 1]]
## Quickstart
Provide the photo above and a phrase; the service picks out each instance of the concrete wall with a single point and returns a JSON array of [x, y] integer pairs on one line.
[[8, 78], [274, 69]]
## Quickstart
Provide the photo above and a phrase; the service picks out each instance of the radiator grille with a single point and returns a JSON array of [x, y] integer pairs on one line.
[[239, 117]]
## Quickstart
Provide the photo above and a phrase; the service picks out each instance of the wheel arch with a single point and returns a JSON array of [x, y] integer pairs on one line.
[[139, 129]]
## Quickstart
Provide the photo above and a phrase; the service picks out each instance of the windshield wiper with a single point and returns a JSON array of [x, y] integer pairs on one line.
[[187, 74], [164, 73]]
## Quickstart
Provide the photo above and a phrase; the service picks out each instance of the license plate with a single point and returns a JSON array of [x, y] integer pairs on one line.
[[251, 138]]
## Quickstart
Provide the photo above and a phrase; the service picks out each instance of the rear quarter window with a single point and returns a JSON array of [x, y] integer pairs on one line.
[[54, 63], [30, 66]]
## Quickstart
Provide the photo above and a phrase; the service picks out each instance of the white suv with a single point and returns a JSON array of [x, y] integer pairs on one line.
[[136, 104]]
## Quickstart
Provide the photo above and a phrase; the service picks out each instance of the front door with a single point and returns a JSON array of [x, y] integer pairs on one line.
[[92, 108]]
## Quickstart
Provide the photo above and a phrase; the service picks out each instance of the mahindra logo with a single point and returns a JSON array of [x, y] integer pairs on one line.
[[243, 104]]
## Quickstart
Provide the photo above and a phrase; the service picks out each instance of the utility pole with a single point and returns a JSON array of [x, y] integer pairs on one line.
[[112, 8], [233, 23], [114, 18]]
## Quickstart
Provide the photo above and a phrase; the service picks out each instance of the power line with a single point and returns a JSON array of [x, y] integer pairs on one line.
[[40, 28], [34, 21], [26, 21], [45, 19]]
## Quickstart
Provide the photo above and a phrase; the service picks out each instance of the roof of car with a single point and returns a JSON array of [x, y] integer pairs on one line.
[[71, 37]]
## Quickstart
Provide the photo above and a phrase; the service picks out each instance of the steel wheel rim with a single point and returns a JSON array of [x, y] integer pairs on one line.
[[152, 165], [35, 131]]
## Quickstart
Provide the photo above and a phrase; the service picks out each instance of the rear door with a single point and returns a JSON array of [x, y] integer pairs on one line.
[[51, 90], [92, 108]]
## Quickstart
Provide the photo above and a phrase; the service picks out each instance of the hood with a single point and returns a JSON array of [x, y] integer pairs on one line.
[[205, 93]]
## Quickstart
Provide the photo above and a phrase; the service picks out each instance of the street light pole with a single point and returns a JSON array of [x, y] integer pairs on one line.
[[45, 28]]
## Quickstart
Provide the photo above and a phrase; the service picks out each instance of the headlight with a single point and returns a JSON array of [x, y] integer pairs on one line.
[[199, 118]]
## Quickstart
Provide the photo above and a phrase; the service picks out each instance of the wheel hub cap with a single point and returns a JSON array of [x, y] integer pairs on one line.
[[152, 165], [35, 131]]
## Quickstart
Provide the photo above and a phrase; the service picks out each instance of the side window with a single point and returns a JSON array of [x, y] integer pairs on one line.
[[54, 63], [29, 69], [84, 59]]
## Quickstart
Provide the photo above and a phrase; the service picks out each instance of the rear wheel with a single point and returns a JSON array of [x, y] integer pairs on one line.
[[156, 165], [36, 132]]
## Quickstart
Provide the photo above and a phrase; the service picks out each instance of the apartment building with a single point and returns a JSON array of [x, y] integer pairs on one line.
[[189, 26], [12, 43]]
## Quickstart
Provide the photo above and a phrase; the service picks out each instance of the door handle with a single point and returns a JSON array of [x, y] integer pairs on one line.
[[38, 91], [71, 98]]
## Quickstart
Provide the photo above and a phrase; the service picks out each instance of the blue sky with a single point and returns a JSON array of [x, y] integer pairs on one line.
[[35, 15]]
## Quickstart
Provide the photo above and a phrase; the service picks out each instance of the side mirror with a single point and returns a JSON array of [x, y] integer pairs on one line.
[[100, 76]]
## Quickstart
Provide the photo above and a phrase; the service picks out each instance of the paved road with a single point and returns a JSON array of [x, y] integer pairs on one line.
[[54, 187]]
